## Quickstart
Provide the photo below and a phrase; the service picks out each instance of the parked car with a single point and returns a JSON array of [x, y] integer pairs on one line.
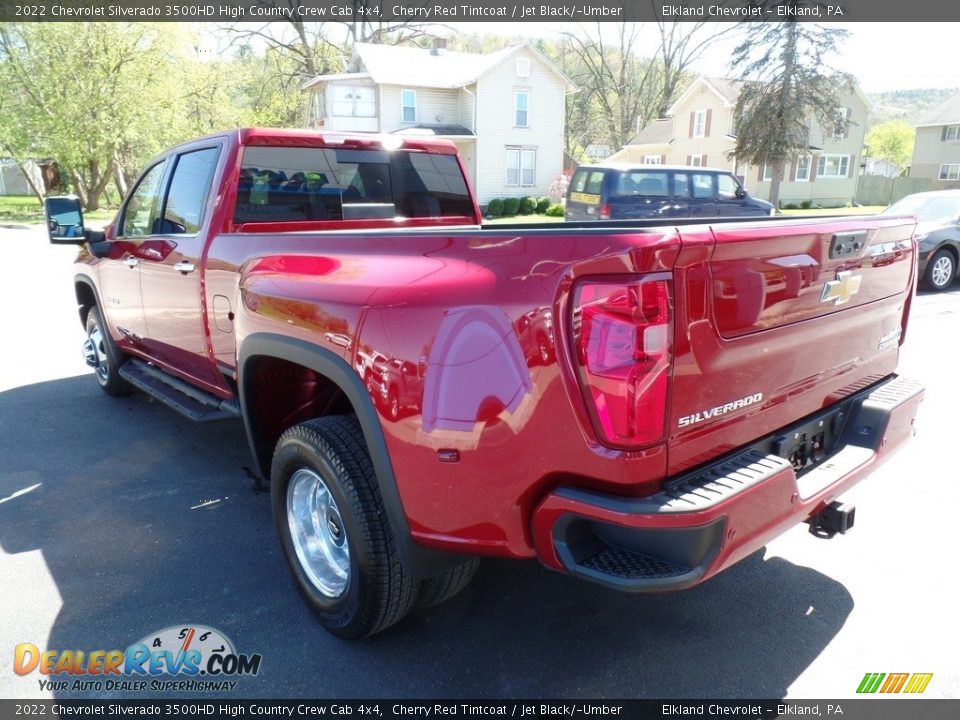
[[937, 234], [616, 191]]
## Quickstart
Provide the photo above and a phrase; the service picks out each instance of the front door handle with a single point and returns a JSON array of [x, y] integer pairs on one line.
[[131, 261], [185, 267]]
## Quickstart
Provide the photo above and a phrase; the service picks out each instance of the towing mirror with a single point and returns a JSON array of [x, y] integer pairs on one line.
[[64, 220]]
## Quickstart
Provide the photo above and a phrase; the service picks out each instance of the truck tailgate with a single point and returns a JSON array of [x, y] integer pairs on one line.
[[776, 322]]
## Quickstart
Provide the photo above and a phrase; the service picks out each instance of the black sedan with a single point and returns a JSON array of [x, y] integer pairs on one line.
[[938, 234]]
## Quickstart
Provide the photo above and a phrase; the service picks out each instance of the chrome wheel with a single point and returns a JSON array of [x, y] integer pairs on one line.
[[942, 271], [95, 354], [318, 534]]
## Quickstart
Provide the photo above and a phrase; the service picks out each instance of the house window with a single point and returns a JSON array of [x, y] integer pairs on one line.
[[521, 105], [521, 166], [950, 172], [803, 169], [653, 160], [523, 67], [950, 132], [767, 172], [835, 166], [353, 101], [696, 161], [699, 123], [840, 123], [408, 104]]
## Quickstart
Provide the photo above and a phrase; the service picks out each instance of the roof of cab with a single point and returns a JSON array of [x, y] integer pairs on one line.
[[621, 167]]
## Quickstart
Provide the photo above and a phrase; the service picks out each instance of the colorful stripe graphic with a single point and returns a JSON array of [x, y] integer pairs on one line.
[[894, 682]]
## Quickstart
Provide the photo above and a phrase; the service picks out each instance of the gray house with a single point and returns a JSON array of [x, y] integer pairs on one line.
[[936, 152], [503, 110]]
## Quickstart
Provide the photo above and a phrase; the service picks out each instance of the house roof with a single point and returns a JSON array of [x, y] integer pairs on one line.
[[426, 130], [420, 67], [658, 132], [946, 113], [728, 90]]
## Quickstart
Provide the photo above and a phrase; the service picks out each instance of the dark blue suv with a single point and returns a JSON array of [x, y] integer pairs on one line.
[[625, 192]]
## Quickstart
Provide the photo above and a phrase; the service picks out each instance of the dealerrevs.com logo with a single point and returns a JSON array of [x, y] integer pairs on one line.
[[179, 658]]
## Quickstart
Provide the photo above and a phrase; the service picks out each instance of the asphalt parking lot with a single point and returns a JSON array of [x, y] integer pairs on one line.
[[119, 518]]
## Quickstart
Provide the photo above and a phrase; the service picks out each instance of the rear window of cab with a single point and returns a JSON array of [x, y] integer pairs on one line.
[[588, 181]]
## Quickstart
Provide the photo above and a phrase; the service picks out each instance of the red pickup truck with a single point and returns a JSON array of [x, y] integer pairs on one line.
[[636, 403]]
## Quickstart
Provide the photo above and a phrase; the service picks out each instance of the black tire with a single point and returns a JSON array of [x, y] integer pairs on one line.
[[378, 591], [444, 586], [108, 355], [393, 404], [941, 270], [544, 349]]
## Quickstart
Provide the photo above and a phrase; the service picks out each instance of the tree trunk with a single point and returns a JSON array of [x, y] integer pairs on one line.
[[775, 183], [120, 181], [79, 187], [28, 173]]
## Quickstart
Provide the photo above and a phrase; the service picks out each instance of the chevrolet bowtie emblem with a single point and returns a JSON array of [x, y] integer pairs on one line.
[[842, 289]]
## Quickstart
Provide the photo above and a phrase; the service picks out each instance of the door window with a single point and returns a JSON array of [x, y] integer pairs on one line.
[[140, 214], [183, 212], [727, 187]]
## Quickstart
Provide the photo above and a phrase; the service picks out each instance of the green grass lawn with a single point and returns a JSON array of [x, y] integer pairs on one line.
[[25, 209]]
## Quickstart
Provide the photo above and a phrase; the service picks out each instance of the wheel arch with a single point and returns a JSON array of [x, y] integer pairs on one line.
[[422, 562], [87, 296]]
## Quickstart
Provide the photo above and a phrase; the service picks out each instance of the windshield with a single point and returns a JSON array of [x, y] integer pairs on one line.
[[927, 209]]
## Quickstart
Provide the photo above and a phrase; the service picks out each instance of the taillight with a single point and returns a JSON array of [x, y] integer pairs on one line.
[[605, 211], [622, 333]]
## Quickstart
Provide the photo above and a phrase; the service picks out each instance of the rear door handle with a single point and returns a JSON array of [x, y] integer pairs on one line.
[[131, 262], [185, 267]]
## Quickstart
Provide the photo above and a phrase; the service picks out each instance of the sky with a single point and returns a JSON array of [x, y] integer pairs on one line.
[[882, 56]]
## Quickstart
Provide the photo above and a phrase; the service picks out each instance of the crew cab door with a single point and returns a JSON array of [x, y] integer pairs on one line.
[[170, 278], [120, 271]]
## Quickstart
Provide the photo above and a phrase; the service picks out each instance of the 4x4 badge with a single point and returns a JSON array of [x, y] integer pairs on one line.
[[842, 289]]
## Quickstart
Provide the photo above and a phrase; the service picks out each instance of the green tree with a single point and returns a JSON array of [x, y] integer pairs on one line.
[[891, 141], [101, 98], [789, 82]]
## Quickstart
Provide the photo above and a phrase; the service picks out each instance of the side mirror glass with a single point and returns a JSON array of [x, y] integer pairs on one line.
[[64, 220]]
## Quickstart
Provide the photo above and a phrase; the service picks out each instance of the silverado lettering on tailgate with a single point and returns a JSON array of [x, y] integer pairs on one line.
[[720, 410]]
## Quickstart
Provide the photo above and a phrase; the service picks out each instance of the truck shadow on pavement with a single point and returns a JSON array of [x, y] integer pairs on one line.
[[146, 520]]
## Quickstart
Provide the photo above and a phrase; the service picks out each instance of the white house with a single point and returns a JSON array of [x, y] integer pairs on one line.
[[504, 110]]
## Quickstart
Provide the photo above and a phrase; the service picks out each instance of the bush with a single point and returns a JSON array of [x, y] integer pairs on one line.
[[542, 205], [558, 188], [555, 210], [791, 206], [806, 204], [528, 206], [511, 206], [495, 208]]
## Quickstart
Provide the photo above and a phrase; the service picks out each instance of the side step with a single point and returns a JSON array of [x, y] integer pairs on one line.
[[178, 395]]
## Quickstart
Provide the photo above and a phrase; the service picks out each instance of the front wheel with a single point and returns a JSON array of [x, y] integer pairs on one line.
[[334, 530], [102, 354], [940, 271]]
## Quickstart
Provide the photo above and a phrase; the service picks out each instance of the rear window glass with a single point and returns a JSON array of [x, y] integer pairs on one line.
[[642, 183], [587, 181], [285, 184]]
